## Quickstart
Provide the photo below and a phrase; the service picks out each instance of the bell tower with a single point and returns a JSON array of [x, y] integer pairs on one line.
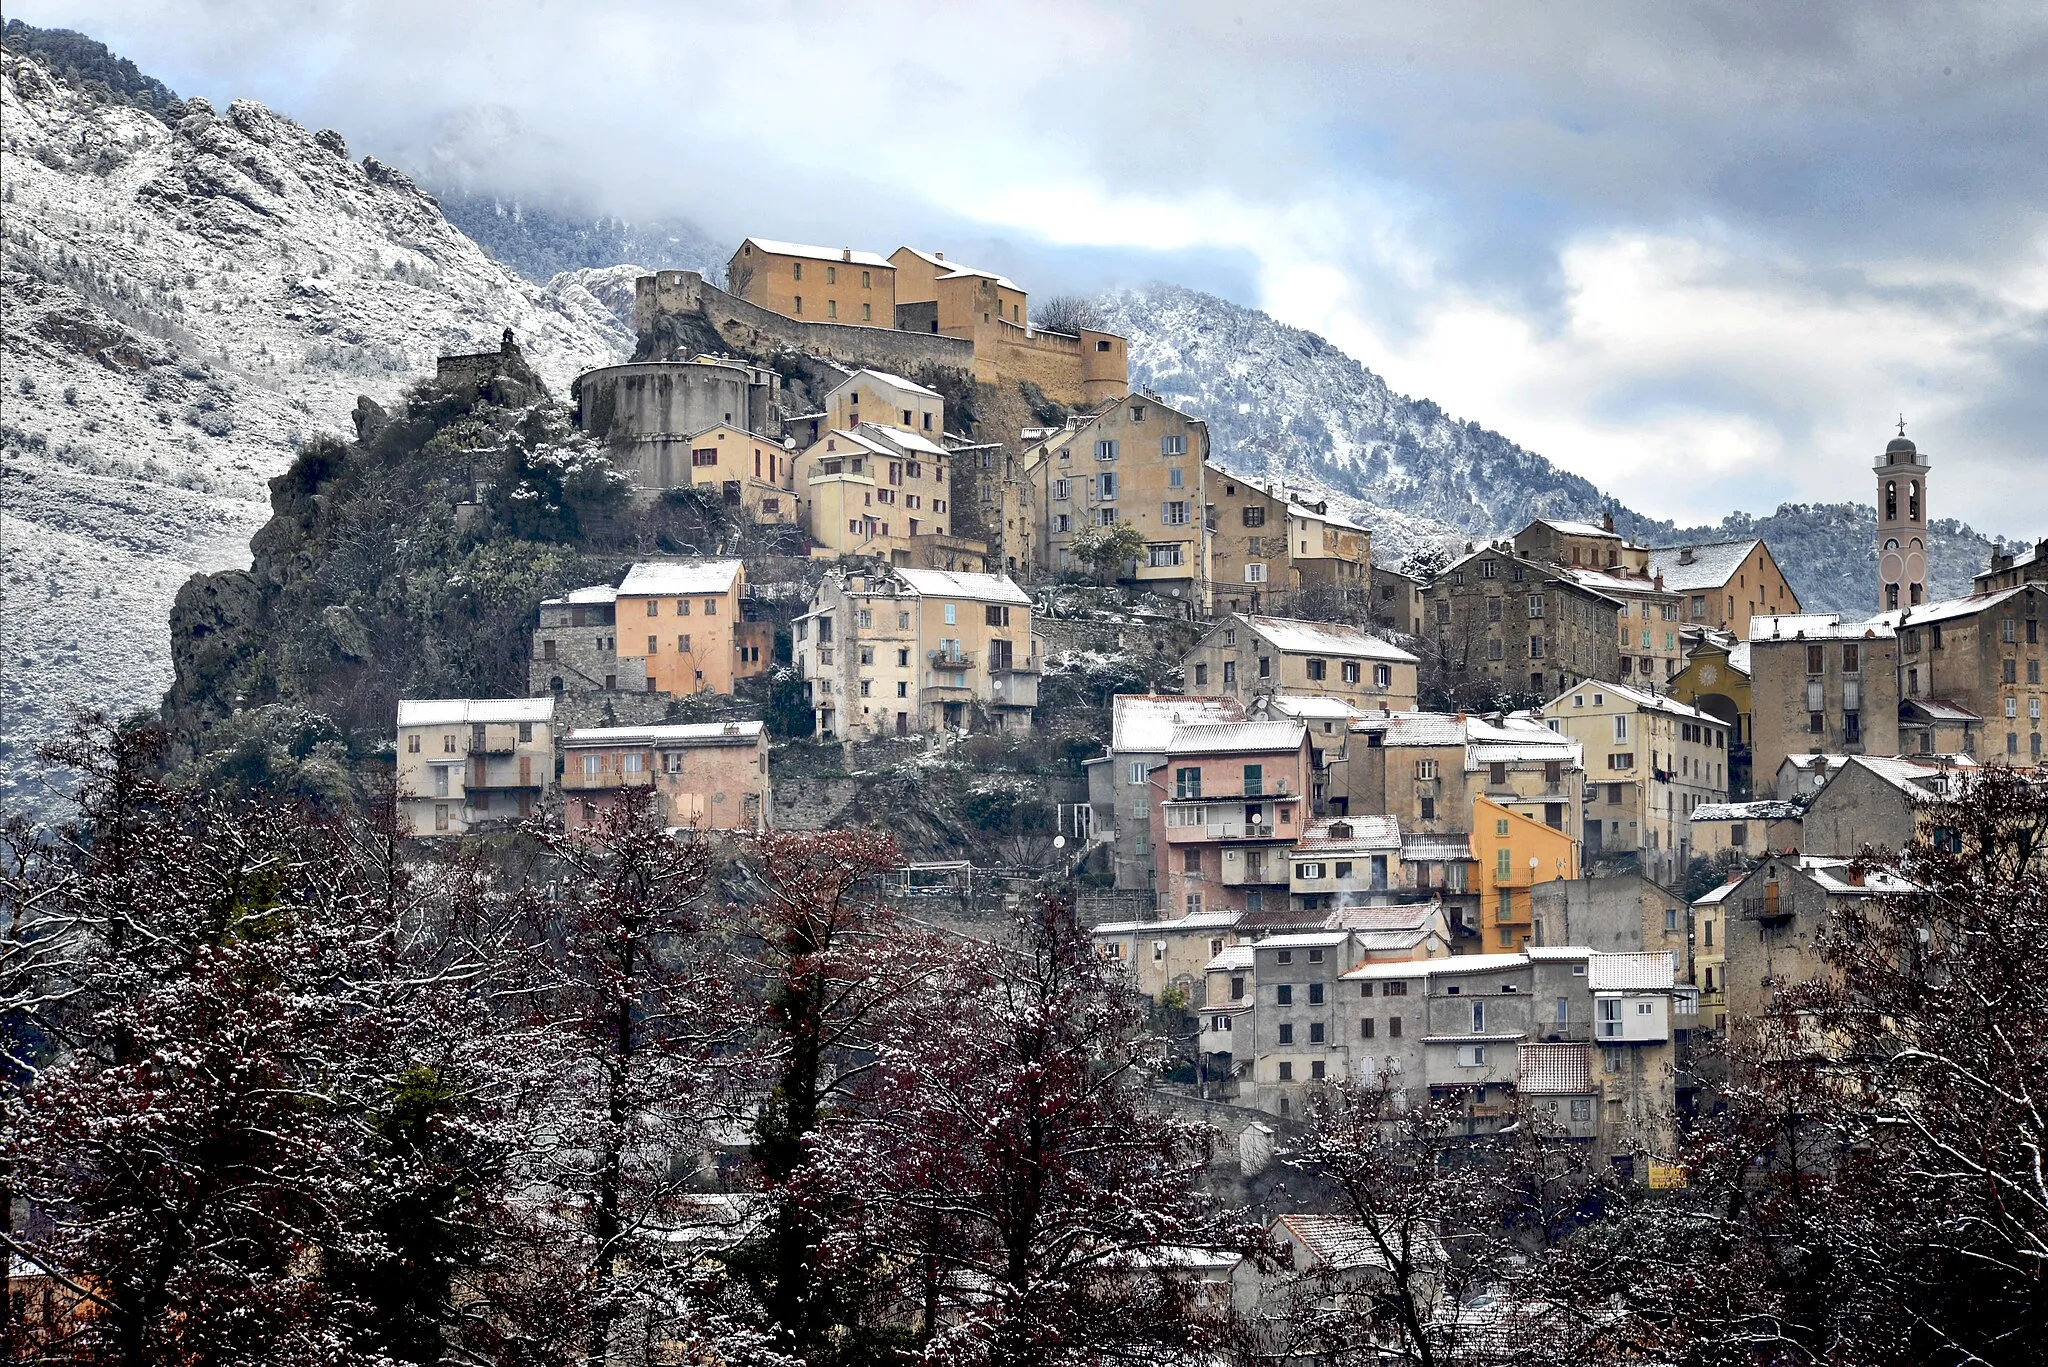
[[1901, 524]]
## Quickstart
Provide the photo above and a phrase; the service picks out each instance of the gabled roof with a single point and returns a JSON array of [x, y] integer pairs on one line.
[[1566, 528], [1232, 958], [1247, 737], [1427, 847], [702, 733], [1707, 566], [1834, 876], [1341, 1243], [893, 381], [596, 593], [1600, 581], [1554, 1069], [841, 255], [1625, 972], [1307, 939], [658, 577], [980, 588], [461, 711], [906, 441], [970, 273], [1440, 968], [1644, 701], [1938, 709], [1293, 635], [1145, 722], [1917, 779]]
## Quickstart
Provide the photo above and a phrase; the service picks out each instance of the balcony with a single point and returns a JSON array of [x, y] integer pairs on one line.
[[1013, 688], [950, 658]]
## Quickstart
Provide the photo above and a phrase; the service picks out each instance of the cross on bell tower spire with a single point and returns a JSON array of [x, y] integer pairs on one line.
[[1902, 424]]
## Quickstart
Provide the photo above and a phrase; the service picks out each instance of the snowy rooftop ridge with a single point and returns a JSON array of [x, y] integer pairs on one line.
[[470, 711], [659, 577], [841, 255]]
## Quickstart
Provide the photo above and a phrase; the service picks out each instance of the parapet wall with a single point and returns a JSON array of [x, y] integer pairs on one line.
[[751, 330]]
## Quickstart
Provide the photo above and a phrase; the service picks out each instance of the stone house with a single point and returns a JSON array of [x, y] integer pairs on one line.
[[1653, 760], [1120, 781], [1775, 917], [1137, 462], [1747, 829], [1822, 685], [1398, 601], [2011, 569], [1983, 656], [1346, 862], [711, 775], [468, 762], [1710, 953], [1227, 804], [1527, 624], [576, 647], [903, 650], [1270, 548], [1647, 627], [817, 284], [1725, 583], [1169, 955], [1621, 915], [1877, 801], [1248, 655]]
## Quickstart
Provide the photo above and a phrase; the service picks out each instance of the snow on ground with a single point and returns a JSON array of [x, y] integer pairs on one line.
[[186, 303]]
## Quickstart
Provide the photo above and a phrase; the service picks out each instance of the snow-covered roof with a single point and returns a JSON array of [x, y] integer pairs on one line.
[[1916, 778], [1738, 658], [1145, 722], [1416, 728], [907, 441], [1707, 566], [1631, 972], [1565, 528], [1247, 737], [842, 255], [1303, 707], [1939, 709], [1834, 875], [1948, 609], [1601, 581], [1720, 894], [1201, 921], [1359, 833], [1427, 848], [1644, 701], [656, 578], [1554, 1069], [688, 733], [458, 711], [595, 593], [1439, 968], [1341, 1243], [1293, 636], [1768, 809], [970, 273], [981, 588], [1815, 626], [1813, 760], [885, 377], [1232, 958], [1305, 939]]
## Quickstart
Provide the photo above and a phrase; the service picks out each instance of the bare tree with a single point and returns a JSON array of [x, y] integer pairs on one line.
[[1068, 313]]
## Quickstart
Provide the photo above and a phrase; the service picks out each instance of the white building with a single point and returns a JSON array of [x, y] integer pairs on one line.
[[463, 762]]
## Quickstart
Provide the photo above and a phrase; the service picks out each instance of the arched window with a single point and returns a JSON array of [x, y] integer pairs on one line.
[[1891, 499], [1891, 543], [1913, 500], [1891, 597]]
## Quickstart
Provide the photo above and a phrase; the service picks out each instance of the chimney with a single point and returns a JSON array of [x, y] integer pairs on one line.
[[1657, 581], [1685, 556], [846, 253], [939, 256], [1607, 522]]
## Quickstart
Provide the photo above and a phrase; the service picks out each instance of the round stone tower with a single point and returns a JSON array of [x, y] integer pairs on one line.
[[1901, 524]]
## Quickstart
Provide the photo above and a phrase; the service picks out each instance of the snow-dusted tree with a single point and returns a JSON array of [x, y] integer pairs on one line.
[[191, 1151], [834, 961], [623, 1058], [1106, 550], [1009, 1166], [1420, 1253]]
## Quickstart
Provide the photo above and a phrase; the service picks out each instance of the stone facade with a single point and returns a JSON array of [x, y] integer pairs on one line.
[[1269, 550], [1821, 685], [1246, 656], [1524, 623], [1987, 655]]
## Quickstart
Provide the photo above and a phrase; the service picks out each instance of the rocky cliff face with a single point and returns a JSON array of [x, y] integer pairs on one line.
[[191, 295]]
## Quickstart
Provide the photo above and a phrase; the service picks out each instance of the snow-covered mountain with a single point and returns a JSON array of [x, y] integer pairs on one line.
[[188, 295], [1286, 405]]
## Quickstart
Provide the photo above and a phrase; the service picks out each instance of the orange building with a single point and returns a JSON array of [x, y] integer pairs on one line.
[[1513, 853], [816, 284], [686, 613]]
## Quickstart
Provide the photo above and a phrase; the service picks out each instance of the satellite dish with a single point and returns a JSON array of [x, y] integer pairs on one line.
[[1059, 842]]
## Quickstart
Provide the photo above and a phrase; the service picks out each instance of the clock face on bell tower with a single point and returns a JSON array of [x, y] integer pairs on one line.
[[1901, 524]]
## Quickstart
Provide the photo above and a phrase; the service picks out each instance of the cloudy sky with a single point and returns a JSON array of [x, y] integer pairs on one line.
[[1703, 255]]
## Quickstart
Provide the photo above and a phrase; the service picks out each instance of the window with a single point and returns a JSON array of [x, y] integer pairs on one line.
[[1229, 672], [1254, 516], [1187, 784], [1309, 873], [1287, 1034], [1255, 574], [1425, 768], [1105, 486], [1175, 477], [1394, 1022], [1365, 1026], [1315, 1036], [1535, 605], [1478, 1017], [1173, 446], [952, 614], [1472, 1056], [1317, 669], [1174, 514], [412, 744], [1105, 449], [1535, 647], [1164, 556], [1286, 1069], [1489, 569], [1582, 1108], [1607, 1017]]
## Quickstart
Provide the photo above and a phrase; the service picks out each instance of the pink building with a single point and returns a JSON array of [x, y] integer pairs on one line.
[[1227, 804], [712, 775]]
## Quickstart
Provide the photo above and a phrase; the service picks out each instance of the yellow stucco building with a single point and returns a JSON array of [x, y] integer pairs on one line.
[[686, 615], [817, 284]]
